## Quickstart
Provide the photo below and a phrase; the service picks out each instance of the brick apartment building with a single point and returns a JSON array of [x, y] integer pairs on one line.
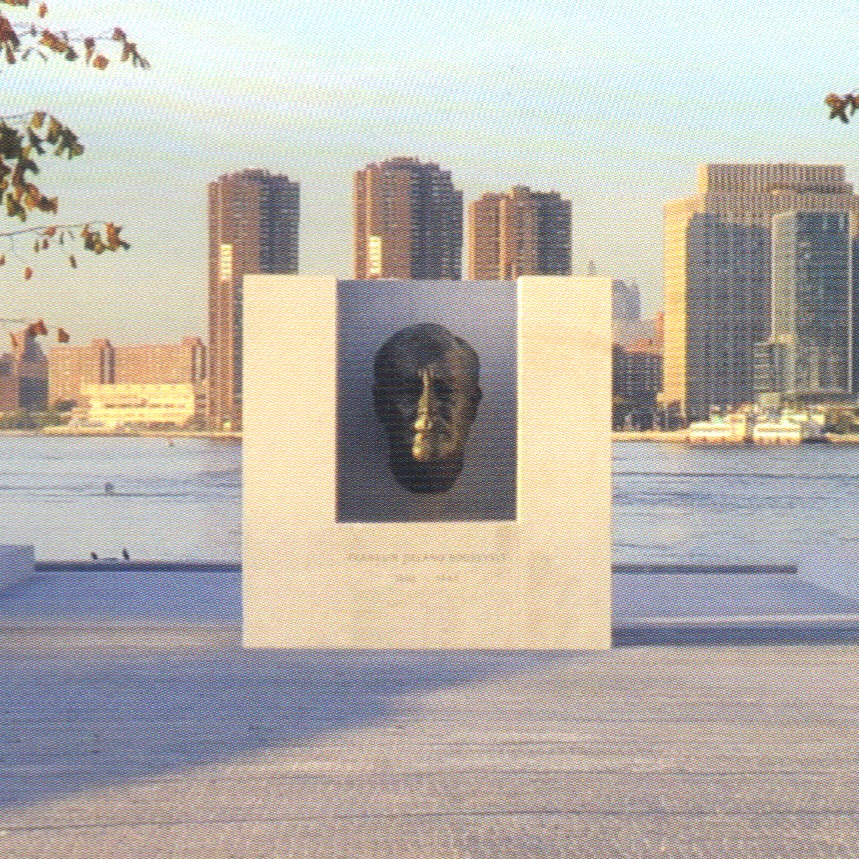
[[522, 232], [101, 363]]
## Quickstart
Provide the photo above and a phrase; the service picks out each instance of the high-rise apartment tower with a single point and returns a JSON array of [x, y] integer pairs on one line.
[[522, 232], [717, 274], [253, 229], [408, 222]]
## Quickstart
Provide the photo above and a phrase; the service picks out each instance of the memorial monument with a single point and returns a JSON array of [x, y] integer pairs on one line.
[[427, 463]]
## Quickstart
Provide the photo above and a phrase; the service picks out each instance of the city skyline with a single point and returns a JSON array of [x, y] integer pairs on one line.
[[573, 99], [719, 277]]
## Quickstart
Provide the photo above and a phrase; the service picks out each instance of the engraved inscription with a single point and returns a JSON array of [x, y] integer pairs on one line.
[[406, 558]]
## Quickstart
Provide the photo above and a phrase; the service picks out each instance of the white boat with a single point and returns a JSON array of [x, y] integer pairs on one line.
[[720, 429], [778, 431]]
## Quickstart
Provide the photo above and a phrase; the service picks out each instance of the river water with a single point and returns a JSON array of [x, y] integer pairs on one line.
[[672, 503], [173, 502]]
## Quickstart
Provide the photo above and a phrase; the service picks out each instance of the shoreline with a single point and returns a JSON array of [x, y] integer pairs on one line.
[[663, 436], [681, 437], [142, 433]]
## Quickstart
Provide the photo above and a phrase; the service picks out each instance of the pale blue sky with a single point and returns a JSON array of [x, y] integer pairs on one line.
[[611, 103]]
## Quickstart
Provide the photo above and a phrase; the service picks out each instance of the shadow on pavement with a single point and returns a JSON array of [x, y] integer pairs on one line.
[[93, 718]]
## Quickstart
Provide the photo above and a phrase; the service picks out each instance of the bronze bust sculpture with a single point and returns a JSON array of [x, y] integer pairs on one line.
[[426, 393]]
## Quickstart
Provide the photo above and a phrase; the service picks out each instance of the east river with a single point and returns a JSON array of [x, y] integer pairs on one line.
[[182, 500]]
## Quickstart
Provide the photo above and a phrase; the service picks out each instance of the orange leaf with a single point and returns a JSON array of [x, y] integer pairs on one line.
[[28, 273], [100, 62], [43, 10]]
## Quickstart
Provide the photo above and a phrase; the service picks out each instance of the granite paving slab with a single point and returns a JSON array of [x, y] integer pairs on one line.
[[125, 735]]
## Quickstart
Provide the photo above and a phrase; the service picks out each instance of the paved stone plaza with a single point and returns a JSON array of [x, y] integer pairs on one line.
[[132, 724]]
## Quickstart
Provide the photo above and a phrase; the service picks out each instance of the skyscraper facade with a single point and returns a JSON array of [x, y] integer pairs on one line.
[[23, 373], [625, 301], [408, 222], [522, 232], [717, 274], [253, 229], [809, 355]]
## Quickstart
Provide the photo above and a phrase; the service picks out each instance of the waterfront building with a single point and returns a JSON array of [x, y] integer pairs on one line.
[[99, 362], [522, 232], [636, 383], [407, 222], [8, 385], [161, 363], [625, 301], [717, 274], [69, 367], [115, 406], [627, 331], [732, 428], [253, 229], [810, 352], [23, 374]]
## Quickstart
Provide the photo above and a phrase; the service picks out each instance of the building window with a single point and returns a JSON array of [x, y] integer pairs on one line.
[[226, 263]]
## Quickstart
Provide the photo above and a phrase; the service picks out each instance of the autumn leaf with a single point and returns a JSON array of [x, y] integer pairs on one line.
[[53, 42], [8, 36], [838, 105], [114, 242], [54, 129]]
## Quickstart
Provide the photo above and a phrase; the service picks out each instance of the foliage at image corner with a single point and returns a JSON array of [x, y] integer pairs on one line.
[[26, 138]]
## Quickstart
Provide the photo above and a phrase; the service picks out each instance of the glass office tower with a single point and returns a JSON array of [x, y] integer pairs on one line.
[[812, 305]]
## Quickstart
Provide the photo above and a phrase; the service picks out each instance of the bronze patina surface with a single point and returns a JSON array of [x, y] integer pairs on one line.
[[426, 395]]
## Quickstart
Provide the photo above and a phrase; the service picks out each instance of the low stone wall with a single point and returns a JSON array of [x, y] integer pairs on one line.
[[16, 563]]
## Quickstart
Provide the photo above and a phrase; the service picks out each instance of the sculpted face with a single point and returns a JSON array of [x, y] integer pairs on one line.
[[426, 394]]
